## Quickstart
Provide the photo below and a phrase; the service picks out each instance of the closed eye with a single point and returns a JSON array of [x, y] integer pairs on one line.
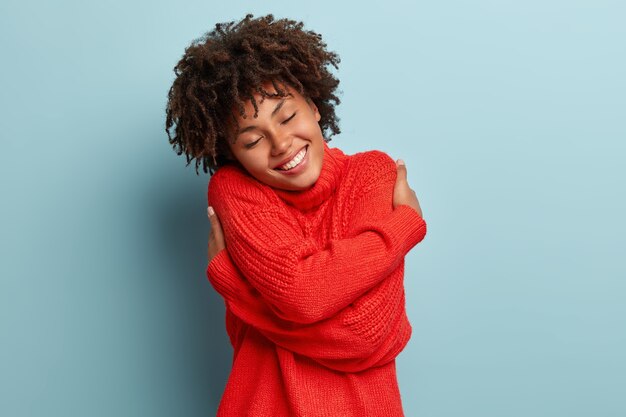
[[288, 119], [251, 144]]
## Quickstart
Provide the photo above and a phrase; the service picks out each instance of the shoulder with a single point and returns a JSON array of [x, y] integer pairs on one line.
[[374, 157], [230, 186], [370, 167]]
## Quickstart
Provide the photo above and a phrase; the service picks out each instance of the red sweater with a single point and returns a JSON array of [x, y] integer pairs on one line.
[[313, 286]]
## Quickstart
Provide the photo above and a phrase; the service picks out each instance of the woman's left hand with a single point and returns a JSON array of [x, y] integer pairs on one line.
[[216, 236]]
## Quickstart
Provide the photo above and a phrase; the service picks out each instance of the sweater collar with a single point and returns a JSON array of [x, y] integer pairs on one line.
[[333, 164]]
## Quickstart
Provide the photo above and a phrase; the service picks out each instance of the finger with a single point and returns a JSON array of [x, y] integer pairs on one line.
[[401, 169], [216, 227], [212, 218]]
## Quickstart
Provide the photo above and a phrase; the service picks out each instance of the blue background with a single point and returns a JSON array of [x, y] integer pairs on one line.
[[510, 116]]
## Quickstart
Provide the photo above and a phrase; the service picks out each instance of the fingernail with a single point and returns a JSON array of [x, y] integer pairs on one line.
[[400, 162], [210, 211]]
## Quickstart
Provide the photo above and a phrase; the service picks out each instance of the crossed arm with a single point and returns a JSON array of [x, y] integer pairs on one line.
[[347, 324], [338, 342]]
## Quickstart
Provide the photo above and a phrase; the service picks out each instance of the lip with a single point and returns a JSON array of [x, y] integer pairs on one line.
[[284, 161], [302, 166]]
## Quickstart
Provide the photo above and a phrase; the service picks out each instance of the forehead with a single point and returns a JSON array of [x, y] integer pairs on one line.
[[266, 103]]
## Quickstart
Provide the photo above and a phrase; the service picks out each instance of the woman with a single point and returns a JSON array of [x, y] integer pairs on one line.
[[307, 244]]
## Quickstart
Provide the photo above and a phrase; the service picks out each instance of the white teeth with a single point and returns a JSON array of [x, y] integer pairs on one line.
[[294, 162]]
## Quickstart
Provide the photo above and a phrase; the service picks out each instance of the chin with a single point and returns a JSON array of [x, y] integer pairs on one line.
[[302, 184]]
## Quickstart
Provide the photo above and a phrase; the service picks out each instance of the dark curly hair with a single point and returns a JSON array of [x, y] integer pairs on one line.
[[222, 70]]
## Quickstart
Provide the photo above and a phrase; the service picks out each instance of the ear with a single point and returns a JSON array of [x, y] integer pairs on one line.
[[314, 108]]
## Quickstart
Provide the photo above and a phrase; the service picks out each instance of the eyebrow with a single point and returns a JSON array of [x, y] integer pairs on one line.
[[276, 110]]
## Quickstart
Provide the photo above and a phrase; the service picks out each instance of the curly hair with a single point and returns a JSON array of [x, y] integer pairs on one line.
[[221, 70]]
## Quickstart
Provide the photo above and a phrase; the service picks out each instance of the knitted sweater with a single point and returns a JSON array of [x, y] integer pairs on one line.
[[313, 286]]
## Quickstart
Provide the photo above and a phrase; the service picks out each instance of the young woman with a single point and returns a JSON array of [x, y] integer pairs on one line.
[[307, 244]]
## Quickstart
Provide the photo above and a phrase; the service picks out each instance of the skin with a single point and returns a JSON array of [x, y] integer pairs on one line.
[[283, 127]]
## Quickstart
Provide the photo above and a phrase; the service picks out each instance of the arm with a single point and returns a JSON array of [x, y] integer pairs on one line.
[[297, 278], [369, 333]]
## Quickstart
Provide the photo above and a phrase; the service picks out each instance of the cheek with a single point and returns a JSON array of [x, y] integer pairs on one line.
[[310, 131], [255, 160]]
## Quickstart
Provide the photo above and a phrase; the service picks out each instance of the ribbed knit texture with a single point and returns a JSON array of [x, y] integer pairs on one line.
[[313, 286]]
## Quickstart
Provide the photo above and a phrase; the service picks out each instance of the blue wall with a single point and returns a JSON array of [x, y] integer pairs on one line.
[[510, 116]]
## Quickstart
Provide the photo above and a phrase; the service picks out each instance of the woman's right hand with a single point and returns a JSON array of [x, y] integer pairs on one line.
[[216, 236], [402, 193]]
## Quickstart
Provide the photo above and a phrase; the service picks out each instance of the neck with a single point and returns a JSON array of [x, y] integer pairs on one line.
[[332, 169]]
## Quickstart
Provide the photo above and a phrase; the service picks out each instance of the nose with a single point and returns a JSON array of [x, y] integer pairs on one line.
[[280, 144]]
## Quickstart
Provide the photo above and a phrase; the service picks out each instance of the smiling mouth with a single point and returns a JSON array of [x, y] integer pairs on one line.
[[297, 160]]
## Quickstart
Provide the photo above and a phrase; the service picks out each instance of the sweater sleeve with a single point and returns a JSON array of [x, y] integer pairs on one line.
[[339, 342], [302, 281]]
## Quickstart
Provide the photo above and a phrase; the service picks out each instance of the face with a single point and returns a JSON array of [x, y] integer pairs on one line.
[[283, 146]]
